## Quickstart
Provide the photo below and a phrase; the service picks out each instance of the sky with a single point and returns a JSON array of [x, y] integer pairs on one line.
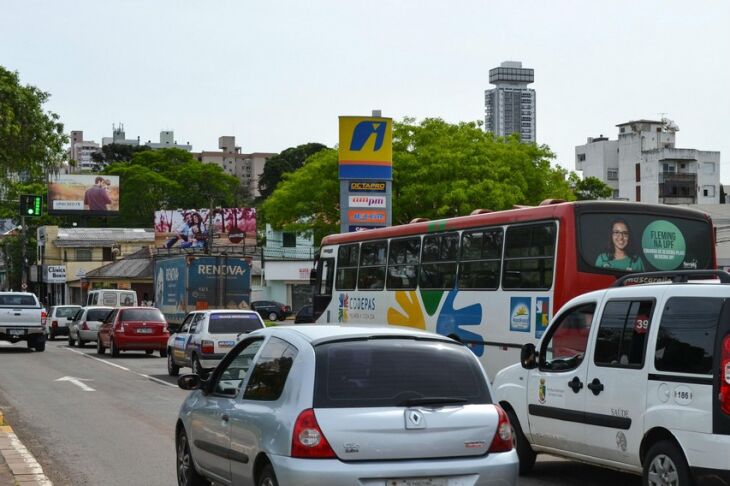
[[277, 74]]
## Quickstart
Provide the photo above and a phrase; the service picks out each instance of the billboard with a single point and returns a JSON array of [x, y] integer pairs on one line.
[[83, 194], [190, 228], [366, 147]]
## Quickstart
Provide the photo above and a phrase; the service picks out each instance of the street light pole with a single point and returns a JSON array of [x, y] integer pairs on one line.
[[23, 253]]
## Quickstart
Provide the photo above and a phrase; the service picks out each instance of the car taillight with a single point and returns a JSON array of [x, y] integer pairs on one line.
[[43, 318], [207, 347], [54, 324], [84, 326], [308, 441], [724, 395], [502, 441]]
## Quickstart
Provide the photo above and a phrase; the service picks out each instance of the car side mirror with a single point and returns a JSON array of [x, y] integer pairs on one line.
[[189, 382], [528, 356], [313, 277]]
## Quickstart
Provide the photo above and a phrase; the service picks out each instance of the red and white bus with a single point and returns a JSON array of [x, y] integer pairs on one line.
[[493, 280]]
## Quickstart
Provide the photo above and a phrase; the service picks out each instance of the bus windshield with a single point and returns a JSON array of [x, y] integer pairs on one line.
[[613, 242]]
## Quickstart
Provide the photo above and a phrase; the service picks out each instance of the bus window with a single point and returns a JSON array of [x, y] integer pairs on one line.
[[481, 259], [529, 257], [325, 274], [403, 263], [347, 256], [438, 261], [372, 265]]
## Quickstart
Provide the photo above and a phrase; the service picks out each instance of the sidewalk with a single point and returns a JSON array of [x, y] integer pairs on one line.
[[17, 464]]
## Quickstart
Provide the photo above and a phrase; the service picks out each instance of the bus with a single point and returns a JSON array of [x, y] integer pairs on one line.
[[493, 280]]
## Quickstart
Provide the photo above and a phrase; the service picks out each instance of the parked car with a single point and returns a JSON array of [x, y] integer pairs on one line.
[[332, 405], [645, 390], [273, 311], [206, 336], [304, 316], [112, 297], [58, 319], [85, 325], [22, 318], [133, 329]]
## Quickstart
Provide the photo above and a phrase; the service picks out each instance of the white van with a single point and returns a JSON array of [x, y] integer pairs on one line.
[[112, 298]]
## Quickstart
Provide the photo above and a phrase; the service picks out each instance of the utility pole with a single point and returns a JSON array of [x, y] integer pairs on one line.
[[24, 254]]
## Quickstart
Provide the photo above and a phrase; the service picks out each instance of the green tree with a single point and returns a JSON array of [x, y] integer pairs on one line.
[[287, 161], [31, 139], [117, 152], [439, 170], [589, 188], [169, 179]]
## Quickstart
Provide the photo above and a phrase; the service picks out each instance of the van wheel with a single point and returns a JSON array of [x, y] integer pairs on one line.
[[519, 441], [195, 365], [665, 465], [172, 368]]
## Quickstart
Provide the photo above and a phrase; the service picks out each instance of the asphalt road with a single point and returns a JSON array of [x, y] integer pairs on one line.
[[122, 432]]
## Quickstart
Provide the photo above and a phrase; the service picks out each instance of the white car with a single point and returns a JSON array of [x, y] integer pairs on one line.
[[206, 336], [85, 326], [635, 378], [58, 319]]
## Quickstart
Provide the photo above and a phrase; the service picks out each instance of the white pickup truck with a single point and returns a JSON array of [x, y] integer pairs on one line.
[[22, 318]]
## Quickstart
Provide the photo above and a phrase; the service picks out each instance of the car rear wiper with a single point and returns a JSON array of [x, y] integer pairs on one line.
[[410, 402]]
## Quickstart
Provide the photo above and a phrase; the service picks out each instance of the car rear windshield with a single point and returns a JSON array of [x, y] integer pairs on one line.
[[97, 314], [66, 311], [142, 315], [395, 372], [19, 300], [233, 323]]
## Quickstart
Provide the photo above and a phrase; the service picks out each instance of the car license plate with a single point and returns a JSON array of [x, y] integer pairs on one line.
[[226, 344], [144, 330], [418, 482], [16, 332]]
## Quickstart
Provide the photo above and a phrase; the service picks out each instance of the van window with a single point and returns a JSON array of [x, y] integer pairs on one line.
[[109, 298], [565, 348], [686, 339], [621, 340]]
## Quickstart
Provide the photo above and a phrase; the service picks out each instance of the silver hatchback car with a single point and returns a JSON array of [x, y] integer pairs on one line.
[[337, 406]]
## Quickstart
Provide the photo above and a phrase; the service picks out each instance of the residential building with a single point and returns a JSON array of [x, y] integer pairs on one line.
[[80, 151], [510, 107], [246, 167], [645, 165], [167, 140], [81, 250], [119, 137]]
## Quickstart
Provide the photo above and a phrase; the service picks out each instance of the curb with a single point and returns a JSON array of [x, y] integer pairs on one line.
[[17, 459]]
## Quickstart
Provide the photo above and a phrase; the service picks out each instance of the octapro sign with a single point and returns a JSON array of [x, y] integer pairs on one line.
[[56, 273]]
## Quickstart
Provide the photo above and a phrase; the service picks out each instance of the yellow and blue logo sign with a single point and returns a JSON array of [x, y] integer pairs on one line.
[[366, 148]]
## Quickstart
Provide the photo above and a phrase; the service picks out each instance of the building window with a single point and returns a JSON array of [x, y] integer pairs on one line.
[[83, 254], [289, 240], [638, 172], [612, 174], [615, 193], [622, 130], [581, 157], [638, 193], [708, 191], [708, 167], [107, 254]]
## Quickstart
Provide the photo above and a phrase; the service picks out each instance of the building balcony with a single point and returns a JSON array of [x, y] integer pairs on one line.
[[674, 177]]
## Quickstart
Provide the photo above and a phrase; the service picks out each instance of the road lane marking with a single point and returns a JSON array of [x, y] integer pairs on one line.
[[152, 378], [79, 382]]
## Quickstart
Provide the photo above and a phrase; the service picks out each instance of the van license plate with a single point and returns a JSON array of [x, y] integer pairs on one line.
[[16, 332], [418, 482], [144, 330]]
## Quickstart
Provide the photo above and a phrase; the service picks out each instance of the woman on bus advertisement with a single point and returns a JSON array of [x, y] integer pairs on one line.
[[621, 253]]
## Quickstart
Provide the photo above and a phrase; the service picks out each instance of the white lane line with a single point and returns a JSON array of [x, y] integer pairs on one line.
[[152, 378]]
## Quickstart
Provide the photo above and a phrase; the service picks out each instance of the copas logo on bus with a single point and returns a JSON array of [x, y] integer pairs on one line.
[[343, 309]]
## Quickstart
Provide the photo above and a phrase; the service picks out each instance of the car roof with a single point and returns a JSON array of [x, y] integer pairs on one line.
[[90, 307], [319, 333]]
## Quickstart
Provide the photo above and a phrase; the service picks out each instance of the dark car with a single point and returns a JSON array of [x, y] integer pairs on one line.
[[273, 311], [304, 316]]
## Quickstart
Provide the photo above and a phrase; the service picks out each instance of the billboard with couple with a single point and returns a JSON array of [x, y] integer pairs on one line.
[[190, 228], [96, 195]]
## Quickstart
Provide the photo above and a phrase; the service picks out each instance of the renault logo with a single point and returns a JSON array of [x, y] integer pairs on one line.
[[415, 419]]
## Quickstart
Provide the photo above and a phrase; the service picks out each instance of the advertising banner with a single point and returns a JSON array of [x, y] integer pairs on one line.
[[366, 147], [366, 216], [55, 273], [367, 201], [96, 195], [190, 228], [367, 186]]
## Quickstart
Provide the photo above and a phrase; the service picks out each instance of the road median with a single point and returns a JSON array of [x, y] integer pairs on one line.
[[17, 464]]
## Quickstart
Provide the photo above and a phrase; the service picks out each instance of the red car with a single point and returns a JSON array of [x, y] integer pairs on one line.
[[133, 328]]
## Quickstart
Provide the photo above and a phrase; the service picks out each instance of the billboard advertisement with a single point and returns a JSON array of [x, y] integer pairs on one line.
[[83, 194], [366, 147], [190, 228]]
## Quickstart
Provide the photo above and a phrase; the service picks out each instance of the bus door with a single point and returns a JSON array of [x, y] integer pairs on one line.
[[323, 289]]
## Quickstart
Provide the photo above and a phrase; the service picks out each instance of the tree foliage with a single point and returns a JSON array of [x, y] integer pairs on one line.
[[169, 179], [117, 152], [439, 170], [589, 188], [287, 161]]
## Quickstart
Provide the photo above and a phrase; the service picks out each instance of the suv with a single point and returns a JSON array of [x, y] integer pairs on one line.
[[273, 311], [206, 336], [333, 406], [635, 378], [22, 319], [58, 319]]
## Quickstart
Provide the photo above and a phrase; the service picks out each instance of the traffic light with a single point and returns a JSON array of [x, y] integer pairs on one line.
[[31, 205]]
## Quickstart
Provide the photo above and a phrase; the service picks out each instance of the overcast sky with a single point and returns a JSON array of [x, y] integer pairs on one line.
[[278, 73]]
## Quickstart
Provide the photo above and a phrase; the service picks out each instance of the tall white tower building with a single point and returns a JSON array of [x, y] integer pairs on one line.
[[511, 106]]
